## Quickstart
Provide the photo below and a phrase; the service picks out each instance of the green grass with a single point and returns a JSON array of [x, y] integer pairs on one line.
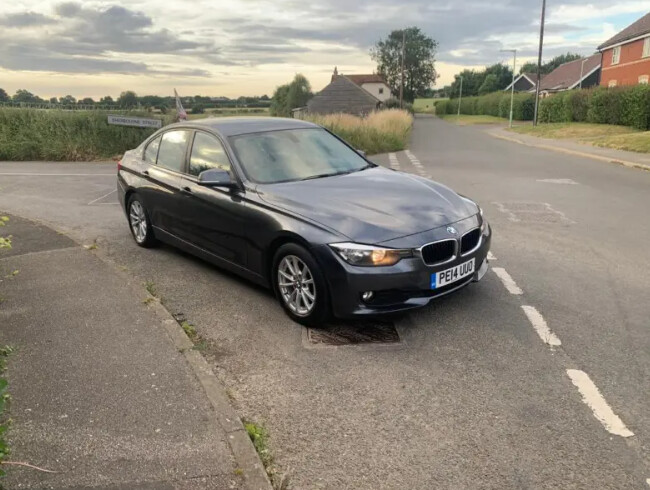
[[234, 112], [425, 105], [602, 135], [464, 120]]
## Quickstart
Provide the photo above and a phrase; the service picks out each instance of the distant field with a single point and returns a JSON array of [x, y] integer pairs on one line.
[[231, 112], [425, 105], [465, 120]]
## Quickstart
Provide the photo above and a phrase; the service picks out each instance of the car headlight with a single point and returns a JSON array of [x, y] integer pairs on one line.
[[368, 255]]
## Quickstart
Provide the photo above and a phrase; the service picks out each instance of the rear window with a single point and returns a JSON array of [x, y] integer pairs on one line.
[[151, 153], [171, 153]]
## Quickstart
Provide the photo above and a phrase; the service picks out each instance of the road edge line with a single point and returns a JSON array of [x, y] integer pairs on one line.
[[567, 151]]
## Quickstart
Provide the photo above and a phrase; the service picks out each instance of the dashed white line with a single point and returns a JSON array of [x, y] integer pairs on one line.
[[394, 163], [491, 256], [417, 164], [102, 197], [558, 181], [594, 400], [507, 281], [540, 326]]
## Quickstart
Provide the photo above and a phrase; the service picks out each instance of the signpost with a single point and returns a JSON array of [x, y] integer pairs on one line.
[[138, 122]]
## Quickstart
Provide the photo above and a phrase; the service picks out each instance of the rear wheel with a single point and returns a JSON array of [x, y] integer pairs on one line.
[[300, 285], [140, 224]]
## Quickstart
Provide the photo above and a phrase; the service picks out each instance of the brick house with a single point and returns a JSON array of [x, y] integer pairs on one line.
[[626, 56]]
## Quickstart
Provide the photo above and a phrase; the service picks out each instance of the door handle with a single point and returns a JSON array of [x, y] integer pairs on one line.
[[186, 189], [145, 172]]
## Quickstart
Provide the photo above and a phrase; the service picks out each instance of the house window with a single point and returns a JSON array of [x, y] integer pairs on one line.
[[646, 47], [612, 83], [381, 89], [643, 79], [616, 55]]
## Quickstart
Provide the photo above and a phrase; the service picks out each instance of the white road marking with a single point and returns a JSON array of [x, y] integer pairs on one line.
[[558, 181], [540, 326], [55, 175], [394, 163], [594, 400], [648, 481], [102, 197], [419, 168], [491, 256], [507, 281]]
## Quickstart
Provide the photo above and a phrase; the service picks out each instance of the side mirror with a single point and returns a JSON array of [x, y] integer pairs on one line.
[[362, 153], [217, 178]]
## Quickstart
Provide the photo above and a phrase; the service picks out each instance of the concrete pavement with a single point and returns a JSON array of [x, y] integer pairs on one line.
[[475, 395], [101, 395]]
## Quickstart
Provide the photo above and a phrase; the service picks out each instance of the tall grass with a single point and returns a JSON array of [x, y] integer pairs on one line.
[[40, 134], [379, 132]]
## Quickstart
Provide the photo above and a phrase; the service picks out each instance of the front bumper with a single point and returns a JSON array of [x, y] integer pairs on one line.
[[403, 286]]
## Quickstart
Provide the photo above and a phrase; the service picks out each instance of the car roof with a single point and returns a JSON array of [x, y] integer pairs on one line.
[[233, 126]]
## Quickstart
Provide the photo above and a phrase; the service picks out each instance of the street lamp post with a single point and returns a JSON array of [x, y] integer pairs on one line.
[[461, 94], [539, 62], [582, 70], [512, 88]]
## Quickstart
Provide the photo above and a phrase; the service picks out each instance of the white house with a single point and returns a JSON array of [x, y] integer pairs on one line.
[[372, 83]]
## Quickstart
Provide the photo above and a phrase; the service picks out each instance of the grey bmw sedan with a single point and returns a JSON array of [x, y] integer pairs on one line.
[[288, 205]]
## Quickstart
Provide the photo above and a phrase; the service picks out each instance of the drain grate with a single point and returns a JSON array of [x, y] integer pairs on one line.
[[355, 333]]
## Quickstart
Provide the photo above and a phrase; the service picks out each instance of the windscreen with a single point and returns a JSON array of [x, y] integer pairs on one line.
[[294, 154]]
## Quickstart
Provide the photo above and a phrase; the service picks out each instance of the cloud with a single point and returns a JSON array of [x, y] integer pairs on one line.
[[25, 19]]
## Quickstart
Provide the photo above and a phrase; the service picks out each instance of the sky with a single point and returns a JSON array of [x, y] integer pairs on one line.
[[248, 47]]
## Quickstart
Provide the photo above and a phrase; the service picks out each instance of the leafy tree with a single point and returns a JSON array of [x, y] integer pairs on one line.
[[472, 81], [23, 95], [198, 109], [489, 85], [419, 61], [54, 100], [87, 101], [4, 97], [67, 100], [531, 67], [106, 100], [289, 96], [503, 75], [127, 99]]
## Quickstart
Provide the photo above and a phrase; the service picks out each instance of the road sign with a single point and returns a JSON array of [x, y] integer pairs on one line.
[[134, 121]]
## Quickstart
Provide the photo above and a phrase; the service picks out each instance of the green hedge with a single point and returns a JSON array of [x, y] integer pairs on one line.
[[51, 134], [625, 106], [495, 104]]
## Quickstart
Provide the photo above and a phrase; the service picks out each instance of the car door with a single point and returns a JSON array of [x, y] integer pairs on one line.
[[162, 195], [213, 217]]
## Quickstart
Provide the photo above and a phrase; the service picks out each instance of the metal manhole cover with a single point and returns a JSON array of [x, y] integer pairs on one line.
[[354, 333]]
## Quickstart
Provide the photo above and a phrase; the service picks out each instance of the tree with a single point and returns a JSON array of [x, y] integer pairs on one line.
[[531, 67], [472, 81], [67, 100], [290, 96], [4, 97], [26, 96], [489, 85], [54, 100], [419, 61], [503, 74], [107, 100], [127, 99], [87, 101]]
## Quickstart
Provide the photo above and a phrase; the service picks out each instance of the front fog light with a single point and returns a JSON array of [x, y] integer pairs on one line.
[[367, 296]]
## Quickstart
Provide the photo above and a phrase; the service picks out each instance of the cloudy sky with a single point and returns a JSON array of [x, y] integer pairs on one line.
[[247, 47]]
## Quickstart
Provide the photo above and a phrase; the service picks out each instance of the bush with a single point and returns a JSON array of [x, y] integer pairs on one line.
[[576, 105], [635, 107], [488, 105], [605, 106], [379, 132], [551, 109], [198, 109], [523, 108], [44, 134], [496, 104]]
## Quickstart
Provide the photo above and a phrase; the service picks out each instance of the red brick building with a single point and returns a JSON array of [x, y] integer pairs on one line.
[[626, 56]]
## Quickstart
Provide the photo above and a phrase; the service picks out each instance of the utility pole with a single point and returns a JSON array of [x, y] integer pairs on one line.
[[539, 62], [401, 87], [512, 87], [461, 94]]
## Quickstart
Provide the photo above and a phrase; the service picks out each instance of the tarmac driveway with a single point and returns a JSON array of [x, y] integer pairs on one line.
[[477, 393]]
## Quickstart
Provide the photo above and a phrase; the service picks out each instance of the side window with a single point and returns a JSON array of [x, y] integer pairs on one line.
[[151, 152], [171, 154], [207, 153]]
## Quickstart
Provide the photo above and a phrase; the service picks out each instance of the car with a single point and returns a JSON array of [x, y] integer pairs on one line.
[[289, 205]]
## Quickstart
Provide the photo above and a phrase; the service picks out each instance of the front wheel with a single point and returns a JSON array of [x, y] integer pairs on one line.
[[140, 224], [300, 285]]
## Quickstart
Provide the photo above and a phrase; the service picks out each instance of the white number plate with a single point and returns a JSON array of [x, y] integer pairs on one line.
[[453, 274]]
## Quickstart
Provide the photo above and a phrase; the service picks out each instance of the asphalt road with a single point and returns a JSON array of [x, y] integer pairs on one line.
[[478, 393]]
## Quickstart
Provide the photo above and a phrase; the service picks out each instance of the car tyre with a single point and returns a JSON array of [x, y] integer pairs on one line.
[[140, 224], [300, 285]]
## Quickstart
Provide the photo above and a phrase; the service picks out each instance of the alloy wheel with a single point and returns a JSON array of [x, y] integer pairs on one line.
[[138, 221], [296, 285]]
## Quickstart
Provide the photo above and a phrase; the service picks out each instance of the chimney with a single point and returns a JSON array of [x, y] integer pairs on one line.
[[335, 74]]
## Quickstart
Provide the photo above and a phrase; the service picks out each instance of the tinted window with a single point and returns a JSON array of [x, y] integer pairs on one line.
[[151, 152], [294, 154], [171, 154], [207, 153]]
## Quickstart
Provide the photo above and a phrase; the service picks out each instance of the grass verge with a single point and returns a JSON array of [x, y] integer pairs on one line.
[[465, 120], [379, 132], [602, 135], [5, 421], [260, 437]]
